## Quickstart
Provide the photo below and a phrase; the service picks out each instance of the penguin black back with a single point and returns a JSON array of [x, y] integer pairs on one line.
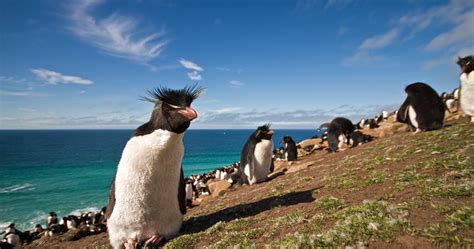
[[338, 126], [290, 148], [428, 106]]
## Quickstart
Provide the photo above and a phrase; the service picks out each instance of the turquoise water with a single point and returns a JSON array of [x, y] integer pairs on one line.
[[69, 171]]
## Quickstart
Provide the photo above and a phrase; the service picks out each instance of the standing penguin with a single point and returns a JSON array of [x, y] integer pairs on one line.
[[256, 158], [423, 108], [339, 130], [289, 148], [147, 197], [467, 85]]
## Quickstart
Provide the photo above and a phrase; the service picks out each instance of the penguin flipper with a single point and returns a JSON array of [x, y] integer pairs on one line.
[[111, 203], [246, 158], [182, 193], [402, 115]]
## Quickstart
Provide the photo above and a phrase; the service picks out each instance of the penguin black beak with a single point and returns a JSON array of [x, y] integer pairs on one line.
[[189, 113]]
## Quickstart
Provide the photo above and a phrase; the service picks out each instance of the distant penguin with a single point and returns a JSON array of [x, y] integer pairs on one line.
[[358, 138], [256, 157], [339, 130], [189, 193], [467, 85], [218, 174], [423, 108], [72, 222], [12, 236], [147, 198], [290, 150], [52, 219]]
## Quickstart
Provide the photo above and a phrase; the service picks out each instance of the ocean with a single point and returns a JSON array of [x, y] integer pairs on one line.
[[70, 171]]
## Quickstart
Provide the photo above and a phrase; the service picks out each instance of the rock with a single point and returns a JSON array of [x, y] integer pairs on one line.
[[218, 188]]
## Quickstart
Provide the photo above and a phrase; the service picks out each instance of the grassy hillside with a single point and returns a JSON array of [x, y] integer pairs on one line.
[[402, 190], [405, 190]]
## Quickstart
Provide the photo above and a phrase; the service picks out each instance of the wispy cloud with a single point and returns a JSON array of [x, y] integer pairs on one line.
[[456, 17], [235, 117], [338, 4], [461, 33], [223, 69], [190, 65], [379, 41], [194, 75], [23, 94], [115, 35], [236, 83], [363, 54], [54, 78], [307, 5], [10, 79]]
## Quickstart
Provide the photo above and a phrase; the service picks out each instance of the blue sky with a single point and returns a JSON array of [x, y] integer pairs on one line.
[[85, 64]]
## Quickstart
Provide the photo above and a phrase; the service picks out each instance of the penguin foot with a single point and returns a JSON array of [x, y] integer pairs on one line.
[[154, 240], [130, 244]]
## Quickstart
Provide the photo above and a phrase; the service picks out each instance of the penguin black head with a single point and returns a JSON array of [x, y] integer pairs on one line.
[[172, 110], [263, 133], [466, 64], [286, 139]]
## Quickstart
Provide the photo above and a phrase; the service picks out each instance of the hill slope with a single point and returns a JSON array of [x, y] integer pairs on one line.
[[403, 190]]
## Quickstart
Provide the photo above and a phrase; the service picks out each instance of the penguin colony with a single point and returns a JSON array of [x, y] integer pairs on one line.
[[149, 195], [85, 224]]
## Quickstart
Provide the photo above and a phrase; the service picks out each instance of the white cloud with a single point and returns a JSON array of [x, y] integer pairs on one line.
[[116, 35], [224, 69], [9, 79], [379, 41], [363, 55], [194, 75], [26, 109], [235, 117], [338, 4], [236, 83], [54, 78], [455, 17], [434, 63], [462, 32], [23, 94], [190, 65]]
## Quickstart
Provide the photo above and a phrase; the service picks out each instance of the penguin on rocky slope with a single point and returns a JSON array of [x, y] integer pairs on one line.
[[339, 131], [147, 196], [423, 109], [467, 85], [256, 160]]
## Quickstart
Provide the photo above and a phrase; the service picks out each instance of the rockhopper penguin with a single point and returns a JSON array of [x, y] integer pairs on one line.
[[467, 85], [423, 109], [147, 197], [256, 160]]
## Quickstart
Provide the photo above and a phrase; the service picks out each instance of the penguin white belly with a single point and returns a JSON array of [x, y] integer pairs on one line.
[[467, 93], [412, 116], [13, 239], [146, 188], [262, 160], [189, 191]]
